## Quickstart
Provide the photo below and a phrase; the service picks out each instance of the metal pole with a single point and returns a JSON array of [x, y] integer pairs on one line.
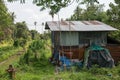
[[70, 41], [35, 23], [59, 34], [43, 27]]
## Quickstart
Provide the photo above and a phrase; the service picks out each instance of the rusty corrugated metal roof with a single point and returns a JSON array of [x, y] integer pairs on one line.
[[78, 26]]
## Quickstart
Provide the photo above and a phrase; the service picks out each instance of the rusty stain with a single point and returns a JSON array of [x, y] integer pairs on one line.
[[94, 23], [72, 23], [85, 22], [77, 26], [63, 23]]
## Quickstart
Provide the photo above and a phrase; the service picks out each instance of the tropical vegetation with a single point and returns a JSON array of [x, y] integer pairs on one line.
[[29, 51]]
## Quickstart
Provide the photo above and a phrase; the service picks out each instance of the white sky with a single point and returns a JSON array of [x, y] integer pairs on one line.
[[31, 13]]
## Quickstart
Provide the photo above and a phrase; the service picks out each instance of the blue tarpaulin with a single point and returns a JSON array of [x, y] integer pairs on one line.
[[65, 61]]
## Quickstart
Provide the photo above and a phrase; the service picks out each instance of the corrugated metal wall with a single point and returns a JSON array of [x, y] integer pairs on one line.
[[82, 38], [69, 38], [86, 38]]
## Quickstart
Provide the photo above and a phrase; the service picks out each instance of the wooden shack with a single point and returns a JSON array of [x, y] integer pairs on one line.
[[72, 37]]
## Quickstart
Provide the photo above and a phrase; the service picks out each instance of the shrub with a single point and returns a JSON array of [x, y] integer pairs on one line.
[[16, 43], [19, 42]]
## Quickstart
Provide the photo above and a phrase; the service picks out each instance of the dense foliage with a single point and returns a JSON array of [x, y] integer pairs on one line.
[[35, 52], [113, 15], [34, 34], [5, 16], [18, 33], [6, 23], [21, 30], [93, 12], [21, 34]]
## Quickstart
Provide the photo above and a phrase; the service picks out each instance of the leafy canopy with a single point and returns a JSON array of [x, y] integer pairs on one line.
[[56, 5], [92, 12], [114, 18]]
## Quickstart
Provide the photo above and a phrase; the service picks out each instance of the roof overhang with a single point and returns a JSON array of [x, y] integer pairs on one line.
[[78, 26]]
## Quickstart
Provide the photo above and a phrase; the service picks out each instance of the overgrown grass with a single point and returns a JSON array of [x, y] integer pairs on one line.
[[7, 51], [42, 69], [6, 43], [46, 72]]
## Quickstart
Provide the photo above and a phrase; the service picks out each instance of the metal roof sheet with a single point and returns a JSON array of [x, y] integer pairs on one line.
[[78, 26]]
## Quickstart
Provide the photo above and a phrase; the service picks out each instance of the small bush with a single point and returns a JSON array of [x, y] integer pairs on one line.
[[16, 43], [20, 42]]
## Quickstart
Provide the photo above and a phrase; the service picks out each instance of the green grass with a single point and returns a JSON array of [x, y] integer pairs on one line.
[[12, 60], [47, 73], [41, 69], [7, 51]]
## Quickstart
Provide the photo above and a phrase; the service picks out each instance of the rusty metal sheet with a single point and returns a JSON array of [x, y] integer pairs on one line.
[[79, 26]]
